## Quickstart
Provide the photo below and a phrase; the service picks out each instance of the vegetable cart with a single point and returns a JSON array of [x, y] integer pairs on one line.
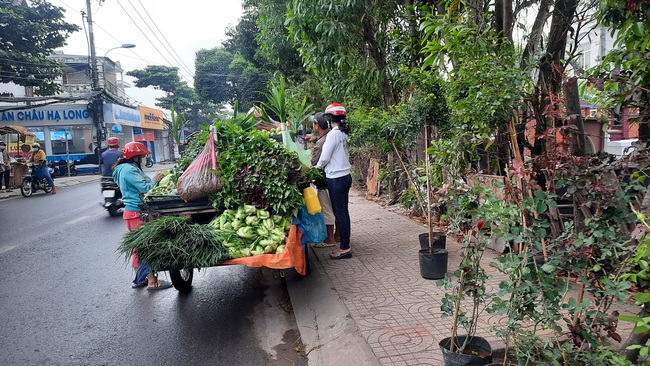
[[201, 212]]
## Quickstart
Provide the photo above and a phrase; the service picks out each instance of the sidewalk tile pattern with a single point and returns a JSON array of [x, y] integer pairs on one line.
[[397, 311]]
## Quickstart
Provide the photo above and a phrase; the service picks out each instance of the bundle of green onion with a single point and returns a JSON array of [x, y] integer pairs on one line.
[[174, 243]]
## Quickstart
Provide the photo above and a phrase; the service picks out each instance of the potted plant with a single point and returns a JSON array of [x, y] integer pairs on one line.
[[433, 255], [468, 297]]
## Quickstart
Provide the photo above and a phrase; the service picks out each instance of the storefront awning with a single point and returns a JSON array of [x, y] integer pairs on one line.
[[15, 129]]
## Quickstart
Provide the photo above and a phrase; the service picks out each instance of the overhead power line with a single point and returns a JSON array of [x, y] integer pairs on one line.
[[139, 57], [176, 57], [145, 36]]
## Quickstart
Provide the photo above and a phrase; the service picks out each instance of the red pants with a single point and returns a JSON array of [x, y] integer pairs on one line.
[[133, 221]]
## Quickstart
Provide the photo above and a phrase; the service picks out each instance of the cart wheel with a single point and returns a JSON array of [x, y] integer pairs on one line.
[[182, 279]]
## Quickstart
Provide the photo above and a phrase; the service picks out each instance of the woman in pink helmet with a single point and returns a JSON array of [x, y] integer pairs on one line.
[[133, 182]]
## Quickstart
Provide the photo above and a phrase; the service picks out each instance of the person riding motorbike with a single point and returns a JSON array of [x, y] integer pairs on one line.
[[133, 182], [110, 190], [41, 169], [110, 156]]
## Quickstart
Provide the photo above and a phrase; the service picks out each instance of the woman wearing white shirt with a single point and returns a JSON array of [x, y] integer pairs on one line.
[[335, 160]]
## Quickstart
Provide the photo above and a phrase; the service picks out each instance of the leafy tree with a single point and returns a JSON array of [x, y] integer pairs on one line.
[[273, 45], [178, 94], [353, 47], [29, 35], [242, 39], [212, 75], [164, 77]]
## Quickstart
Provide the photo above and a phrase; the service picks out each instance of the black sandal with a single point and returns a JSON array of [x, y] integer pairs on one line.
[[341, 255]]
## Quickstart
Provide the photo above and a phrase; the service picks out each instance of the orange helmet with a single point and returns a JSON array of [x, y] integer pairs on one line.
[[336, 109], [113, 142], [132, 149]]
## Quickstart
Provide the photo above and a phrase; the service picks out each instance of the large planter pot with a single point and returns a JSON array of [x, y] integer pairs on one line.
[[438, 240], [433, 266], [477, 352]]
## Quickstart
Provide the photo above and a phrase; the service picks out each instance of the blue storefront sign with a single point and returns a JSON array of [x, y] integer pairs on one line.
[[65, 114]]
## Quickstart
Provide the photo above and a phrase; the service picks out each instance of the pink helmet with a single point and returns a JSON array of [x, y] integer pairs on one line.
[[132, 149], [113, 142], [336, 109]]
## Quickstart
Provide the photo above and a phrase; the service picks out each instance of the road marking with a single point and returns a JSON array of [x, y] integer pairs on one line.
[[76, 220], [6, 248]]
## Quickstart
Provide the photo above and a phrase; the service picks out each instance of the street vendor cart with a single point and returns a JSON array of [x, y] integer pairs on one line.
[[230, 200], [18, 135], [201, 212]]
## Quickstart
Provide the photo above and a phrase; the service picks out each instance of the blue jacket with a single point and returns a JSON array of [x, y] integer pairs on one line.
[[133, 182], [108, 159]]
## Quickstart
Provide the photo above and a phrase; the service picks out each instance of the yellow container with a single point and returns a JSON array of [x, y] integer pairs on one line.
[[311, 200]]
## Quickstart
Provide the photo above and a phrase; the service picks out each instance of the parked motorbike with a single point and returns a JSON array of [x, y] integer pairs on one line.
[[112, 196], [60, 169], [149, 162], [31, 184]]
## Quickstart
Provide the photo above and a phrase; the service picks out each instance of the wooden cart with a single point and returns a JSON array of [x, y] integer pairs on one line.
[[202, 212]]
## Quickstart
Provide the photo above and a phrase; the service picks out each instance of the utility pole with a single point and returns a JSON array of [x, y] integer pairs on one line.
[[97, 104]]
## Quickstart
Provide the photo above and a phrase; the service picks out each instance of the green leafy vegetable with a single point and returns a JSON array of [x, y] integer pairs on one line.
[[174, 242]]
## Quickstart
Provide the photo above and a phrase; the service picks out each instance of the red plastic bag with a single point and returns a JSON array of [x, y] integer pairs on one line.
[[200, 179]]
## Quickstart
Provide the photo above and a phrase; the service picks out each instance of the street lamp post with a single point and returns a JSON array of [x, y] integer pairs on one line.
[[126, 45], [97, 103]]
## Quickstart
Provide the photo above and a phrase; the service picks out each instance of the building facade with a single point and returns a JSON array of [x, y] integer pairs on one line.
[[64, 124]]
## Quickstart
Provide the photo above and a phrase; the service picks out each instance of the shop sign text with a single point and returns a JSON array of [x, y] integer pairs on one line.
[[41, 115]]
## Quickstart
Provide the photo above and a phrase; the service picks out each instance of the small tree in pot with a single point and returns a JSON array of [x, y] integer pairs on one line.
[[468, 297]]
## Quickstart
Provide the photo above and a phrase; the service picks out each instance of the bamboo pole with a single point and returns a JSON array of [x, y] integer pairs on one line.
[[426, 169], [515, 147], [417, 194], [454, 327], [581, 294]]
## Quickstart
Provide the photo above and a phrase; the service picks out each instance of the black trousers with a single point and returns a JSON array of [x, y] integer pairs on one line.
[[5, 175]]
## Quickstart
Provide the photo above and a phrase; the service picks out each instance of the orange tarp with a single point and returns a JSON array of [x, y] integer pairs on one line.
[[293, 256]]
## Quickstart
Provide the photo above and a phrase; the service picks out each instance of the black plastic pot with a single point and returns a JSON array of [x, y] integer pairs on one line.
[[438, 240], [477, 352], [433, 266]]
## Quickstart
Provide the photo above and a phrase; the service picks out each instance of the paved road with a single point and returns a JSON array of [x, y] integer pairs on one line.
[[65, 297]]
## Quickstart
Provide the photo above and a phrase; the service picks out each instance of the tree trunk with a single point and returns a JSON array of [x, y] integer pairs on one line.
[[551, 69], [498, 16], [415, 34], [536, 33], [572, 101], [507, 20], [378, 57]]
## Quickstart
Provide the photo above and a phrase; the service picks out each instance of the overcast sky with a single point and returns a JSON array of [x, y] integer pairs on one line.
[[178, 30]]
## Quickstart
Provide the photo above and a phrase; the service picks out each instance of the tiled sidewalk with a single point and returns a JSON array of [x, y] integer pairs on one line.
[[395, 309]]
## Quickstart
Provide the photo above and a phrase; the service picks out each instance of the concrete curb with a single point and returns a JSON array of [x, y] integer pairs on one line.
[[327, 330]]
